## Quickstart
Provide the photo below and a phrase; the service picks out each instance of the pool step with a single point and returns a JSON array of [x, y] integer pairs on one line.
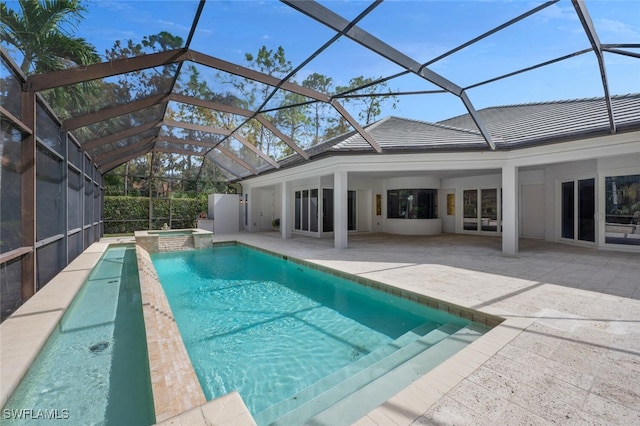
[[268, 415], [336, 386], [359, 402]]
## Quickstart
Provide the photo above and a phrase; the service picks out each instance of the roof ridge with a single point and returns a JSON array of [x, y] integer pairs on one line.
[[564, 101], [554, 102], [440, 125]]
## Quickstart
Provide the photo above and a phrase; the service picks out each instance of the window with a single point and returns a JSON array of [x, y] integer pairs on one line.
[[306, 210], [622, 224], [489, 212], [481, 210], [412, 204], [470, 209]]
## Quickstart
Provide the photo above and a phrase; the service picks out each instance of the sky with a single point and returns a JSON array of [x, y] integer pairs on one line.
[[422, 30]]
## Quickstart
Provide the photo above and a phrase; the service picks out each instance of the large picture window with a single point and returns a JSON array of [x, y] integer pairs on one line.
[[412, 204]]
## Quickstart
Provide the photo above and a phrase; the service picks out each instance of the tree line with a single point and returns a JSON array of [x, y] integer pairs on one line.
[[43, 34]]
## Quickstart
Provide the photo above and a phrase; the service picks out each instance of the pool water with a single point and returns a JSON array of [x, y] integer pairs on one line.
[[283, 334], [94, 368]]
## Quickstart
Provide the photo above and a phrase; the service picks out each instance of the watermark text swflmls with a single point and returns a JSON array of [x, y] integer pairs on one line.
[[35, 414]]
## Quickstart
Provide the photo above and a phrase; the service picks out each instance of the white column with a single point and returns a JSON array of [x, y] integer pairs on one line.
[[340, 239], [510, 193], [286, 210]]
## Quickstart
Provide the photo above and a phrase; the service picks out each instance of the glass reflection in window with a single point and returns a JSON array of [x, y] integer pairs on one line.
[[622, 223]]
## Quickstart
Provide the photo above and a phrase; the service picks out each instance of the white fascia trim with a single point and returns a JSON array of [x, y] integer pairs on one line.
[[584, 149]]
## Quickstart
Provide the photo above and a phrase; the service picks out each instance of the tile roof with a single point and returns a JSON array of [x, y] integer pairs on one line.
[[515, 125], [510, 126]]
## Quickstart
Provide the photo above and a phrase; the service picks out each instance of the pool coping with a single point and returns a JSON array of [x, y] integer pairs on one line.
[[174, 383], [483, 318], [27, 330], [24, 333]]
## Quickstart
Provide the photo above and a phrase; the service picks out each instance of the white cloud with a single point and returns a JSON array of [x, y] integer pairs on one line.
[[610, 28], [556, 12], [115, 6], [174, 25]]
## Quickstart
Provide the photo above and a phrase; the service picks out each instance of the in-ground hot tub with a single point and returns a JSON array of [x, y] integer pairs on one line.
[[174, 239]]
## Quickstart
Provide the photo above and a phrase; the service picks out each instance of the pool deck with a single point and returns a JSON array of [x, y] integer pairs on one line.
[[568, 352]]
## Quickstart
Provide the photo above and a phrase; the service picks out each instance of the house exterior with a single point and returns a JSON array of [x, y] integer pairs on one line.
[[559, 171]]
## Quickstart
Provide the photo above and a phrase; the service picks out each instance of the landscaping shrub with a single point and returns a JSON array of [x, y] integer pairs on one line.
[[124, 215]]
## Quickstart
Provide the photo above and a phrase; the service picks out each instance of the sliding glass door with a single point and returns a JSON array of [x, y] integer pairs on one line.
[[327, 210], [578, 208], [306, 210], [481, 210], [568, 210]]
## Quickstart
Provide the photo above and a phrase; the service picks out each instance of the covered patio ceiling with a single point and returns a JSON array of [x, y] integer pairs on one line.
[[175, 114]]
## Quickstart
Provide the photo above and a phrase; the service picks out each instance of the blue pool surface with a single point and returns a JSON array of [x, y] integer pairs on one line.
[[290, 339], [94, 368]]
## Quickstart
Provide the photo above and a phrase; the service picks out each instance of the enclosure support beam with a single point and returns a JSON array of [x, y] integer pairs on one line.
[[109, 113], [237, 159], [590, 30], [28, 175], [510, 231], [122, 152], [336, 22], [365, 135], [340, 223], [115, 137], [109, 164]]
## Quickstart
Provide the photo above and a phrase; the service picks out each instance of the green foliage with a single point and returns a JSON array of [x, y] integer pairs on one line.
[[129, 214], [470, 210], [125, 214], [319, 110], [161, 208], [43, 32], [187, 208], [370, 104]]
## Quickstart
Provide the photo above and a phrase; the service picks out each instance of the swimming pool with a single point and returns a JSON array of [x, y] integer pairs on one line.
[[94, 367], [297, 342]]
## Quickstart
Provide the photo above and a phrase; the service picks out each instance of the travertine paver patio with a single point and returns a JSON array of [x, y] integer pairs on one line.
[[577, 359]]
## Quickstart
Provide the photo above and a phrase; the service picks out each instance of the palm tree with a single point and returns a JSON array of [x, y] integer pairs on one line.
[[42, 31]]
